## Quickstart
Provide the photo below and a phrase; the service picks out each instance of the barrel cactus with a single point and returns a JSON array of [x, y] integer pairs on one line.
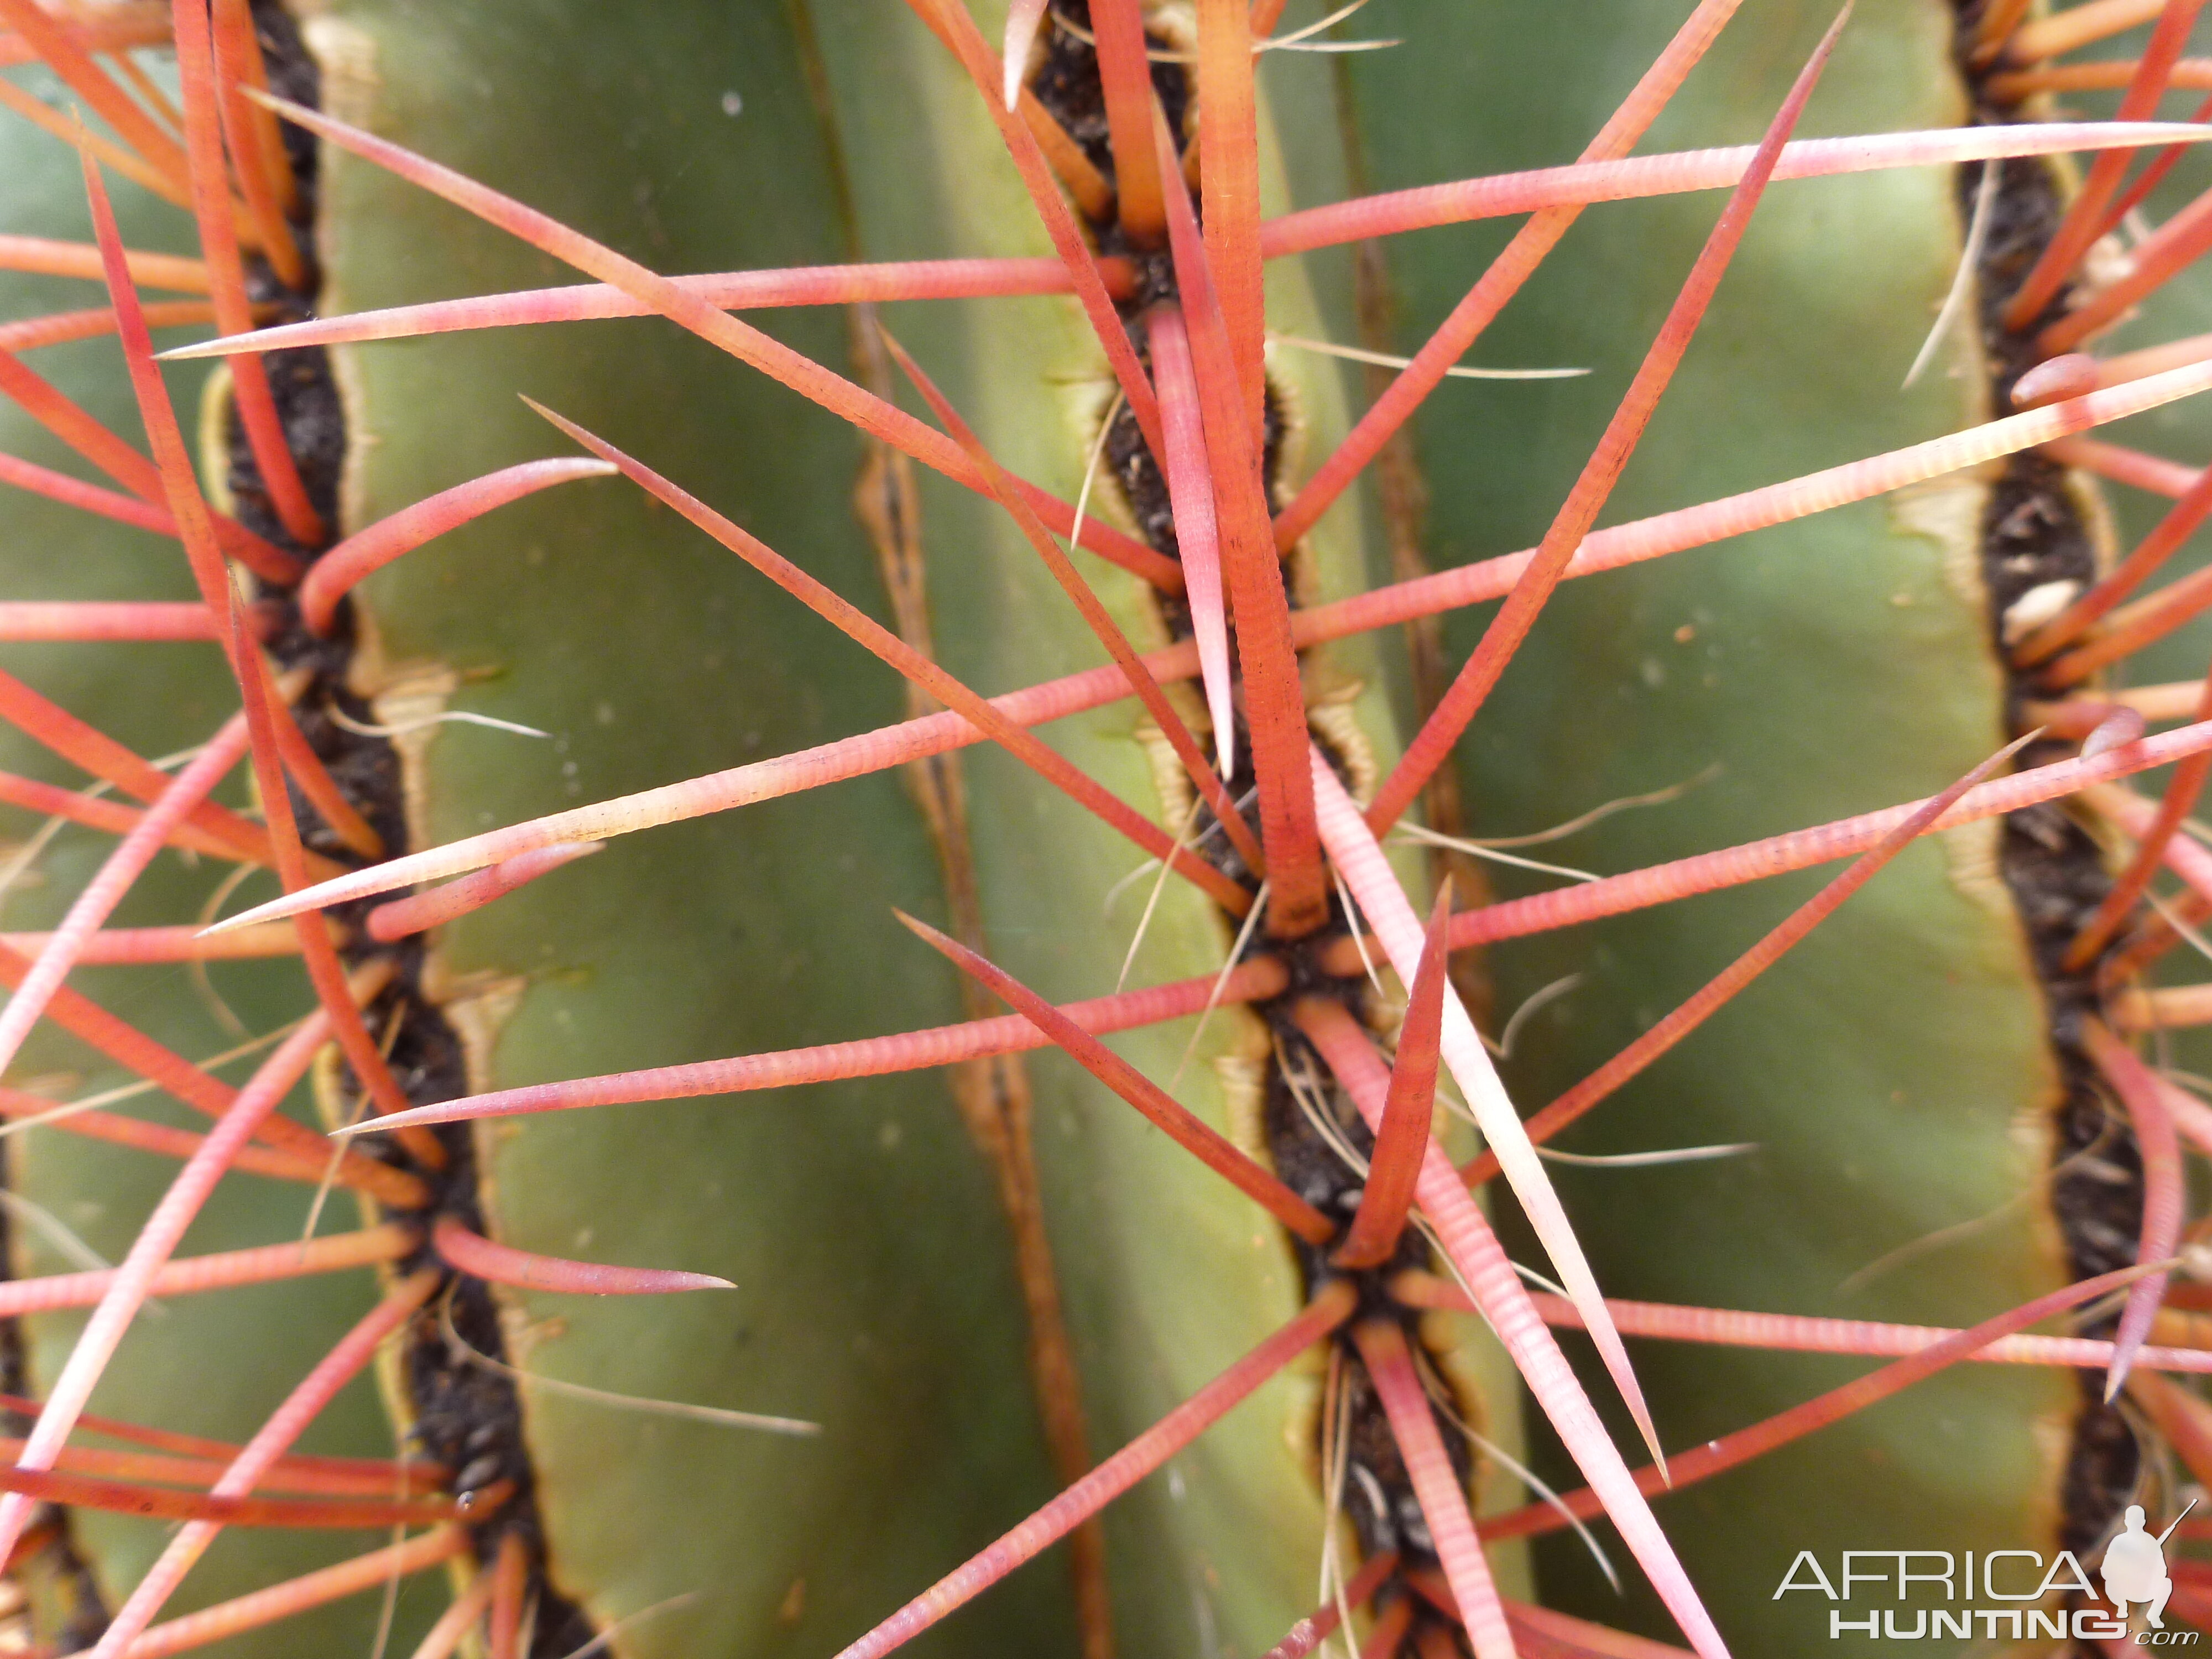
[[1382, 582]]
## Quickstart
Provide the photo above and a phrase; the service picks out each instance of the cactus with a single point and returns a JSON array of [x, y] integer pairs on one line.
[[599, 1223]]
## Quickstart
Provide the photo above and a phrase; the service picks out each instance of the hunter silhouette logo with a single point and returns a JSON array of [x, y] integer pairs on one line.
[[2134, 1567]]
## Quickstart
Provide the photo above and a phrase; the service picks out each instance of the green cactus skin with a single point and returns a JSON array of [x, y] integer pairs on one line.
[[1894, 1070], [875, 1294]]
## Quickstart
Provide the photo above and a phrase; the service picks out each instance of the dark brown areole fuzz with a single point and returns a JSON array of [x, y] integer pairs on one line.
[[466, 1416], [1303, 1137], [48, 1550], [308, 406], [2035, 531]]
